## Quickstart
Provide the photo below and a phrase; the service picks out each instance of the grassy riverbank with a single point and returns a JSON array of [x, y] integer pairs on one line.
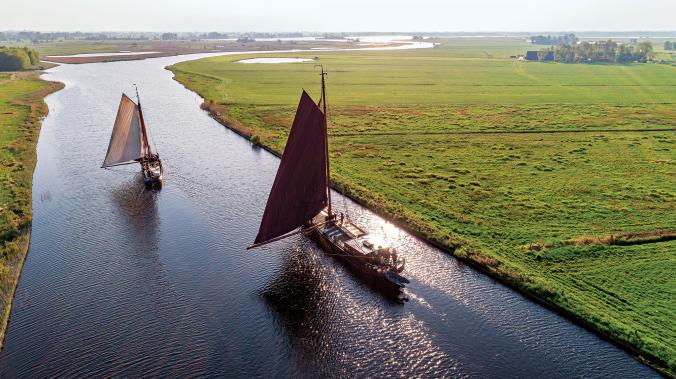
[[21, 112], [556, 178]]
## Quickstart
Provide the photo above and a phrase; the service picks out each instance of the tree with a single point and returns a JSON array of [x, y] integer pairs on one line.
[[570, 39], [623, 54], [646, 46], [564, 53], [11, 60], [542, 54], [216, 35], [606, 51], [584, 52], [15, 58], [644, 51], [33, 56], [668, 45], [603, 51]]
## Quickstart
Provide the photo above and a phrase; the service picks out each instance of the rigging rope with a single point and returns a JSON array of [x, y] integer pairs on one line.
[[148, 132], [152, 138]]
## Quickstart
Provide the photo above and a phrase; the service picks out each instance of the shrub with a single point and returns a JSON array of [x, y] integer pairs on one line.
[[15, 59]]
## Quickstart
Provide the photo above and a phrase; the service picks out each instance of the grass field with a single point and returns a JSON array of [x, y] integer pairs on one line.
[[21, 112], [549, 176]]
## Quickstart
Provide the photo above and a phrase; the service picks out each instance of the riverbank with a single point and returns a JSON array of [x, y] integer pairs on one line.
[[109, 261], [21, 111], [516, 205], [486, 264]]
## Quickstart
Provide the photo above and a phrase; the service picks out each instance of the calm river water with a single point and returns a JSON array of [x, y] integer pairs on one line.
[[120, 281]]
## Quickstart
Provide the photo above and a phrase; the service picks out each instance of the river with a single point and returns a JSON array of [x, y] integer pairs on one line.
[[120, 281]]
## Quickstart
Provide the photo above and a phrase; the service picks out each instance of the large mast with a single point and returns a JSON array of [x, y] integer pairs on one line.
[[144, 134], [326, 140], [299, 192]]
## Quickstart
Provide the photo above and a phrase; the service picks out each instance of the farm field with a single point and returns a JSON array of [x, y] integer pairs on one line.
[[21, 112], [556, 178]]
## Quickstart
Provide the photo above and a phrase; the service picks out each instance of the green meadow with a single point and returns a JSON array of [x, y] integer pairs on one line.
[[21, 112], [558, 179]]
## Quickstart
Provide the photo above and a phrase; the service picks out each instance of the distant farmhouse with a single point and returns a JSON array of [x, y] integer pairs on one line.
[[532, 55]]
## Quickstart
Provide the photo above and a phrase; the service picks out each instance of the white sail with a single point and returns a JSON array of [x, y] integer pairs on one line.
[[125, 142]]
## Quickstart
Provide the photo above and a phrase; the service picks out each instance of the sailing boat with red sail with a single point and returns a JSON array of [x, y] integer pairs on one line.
[[300, 202], [129, 142]]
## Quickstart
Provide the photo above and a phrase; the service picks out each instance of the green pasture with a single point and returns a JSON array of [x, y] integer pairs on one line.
[[510, 164]]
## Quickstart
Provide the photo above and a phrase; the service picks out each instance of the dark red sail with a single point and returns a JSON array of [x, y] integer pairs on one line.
[[299, 192]]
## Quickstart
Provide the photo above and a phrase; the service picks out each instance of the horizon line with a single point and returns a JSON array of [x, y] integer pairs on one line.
[[342, 32]]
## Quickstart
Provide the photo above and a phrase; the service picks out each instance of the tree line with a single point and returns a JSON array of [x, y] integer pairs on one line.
[[668, 45], [42, 37], [18, 58], [601, 51], [566, 39]]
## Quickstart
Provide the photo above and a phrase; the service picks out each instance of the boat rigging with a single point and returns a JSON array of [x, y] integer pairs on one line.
[[129, 142], [300, 202]]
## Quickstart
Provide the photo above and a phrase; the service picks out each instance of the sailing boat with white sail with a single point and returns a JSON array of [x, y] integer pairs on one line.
[[129, 142], [301, 198]]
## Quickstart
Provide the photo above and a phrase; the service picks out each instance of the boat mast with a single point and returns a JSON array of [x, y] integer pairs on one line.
[[146, 145], [326, 140]]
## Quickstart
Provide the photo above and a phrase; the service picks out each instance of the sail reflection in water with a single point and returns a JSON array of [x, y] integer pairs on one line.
[[138, 204]]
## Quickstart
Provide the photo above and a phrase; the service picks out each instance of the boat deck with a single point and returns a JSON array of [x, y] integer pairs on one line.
[[346, 235]]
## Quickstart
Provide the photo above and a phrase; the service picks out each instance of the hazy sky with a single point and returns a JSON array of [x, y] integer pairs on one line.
[[332, 15]]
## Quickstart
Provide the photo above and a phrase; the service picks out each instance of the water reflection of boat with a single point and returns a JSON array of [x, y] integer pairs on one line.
[[301, 198], [298, 293], [136, 202], [129, 142], [139, 221]]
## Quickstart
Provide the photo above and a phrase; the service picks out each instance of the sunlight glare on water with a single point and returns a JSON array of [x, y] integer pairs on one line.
[[124, 282]]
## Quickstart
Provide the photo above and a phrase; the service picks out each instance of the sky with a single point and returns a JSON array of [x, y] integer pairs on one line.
[[332, 15]]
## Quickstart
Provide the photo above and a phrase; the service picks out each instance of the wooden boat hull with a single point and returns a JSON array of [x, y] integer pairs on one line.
[[150, 182], [387, 282]]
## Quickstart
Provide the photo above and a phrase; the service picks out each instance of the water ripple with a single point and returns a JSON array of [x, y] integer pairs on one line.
[[124, 282]]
